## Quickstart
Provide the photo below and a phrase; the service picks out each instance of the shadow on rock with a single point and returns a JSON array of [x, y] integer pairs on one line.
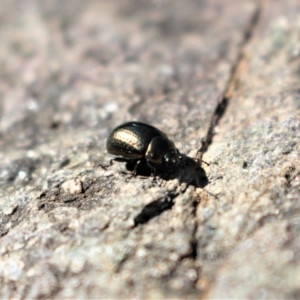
[[188, 171]]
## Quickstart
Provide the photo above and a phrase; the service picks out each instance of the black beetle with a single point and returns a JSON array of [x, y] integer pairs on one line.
[[138, 142]]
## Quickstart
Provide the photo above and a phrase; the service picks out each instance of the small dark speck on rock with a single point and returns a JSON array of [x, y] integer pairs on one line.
[[54, 125], [41, 205], [65, 162], [3, 232], [62, 226], [286, 149]]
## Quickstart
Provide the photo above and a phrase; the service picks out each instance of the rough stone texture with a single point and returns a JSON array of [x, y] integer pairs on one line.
[[221, 78], [255, 227]]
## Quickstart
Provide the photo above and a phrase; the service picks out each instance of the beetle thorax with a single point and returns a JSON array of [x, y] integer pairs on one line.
[[157, 148]]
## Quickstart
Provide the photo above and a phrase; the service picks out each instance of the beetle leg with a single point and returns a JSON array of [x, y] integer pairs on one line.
[[119, 159], [205, 162], [136, 167], [153, 170], [199, 159], [134, 171], [103, 166], [129, 177]]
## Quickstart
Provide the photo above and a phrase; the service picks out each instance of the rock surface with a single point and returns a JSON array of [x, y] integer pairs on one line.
[[221, 79]]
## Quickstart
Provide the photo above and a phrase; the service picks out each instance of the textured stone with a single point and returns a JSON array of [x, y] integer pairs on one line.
[[218, 77]]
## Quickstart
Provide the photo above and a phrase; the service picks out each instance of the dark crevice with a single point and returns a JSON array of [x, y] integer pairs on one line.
[[157, 207], [219, 112], [154, 209], [223, 102], [222, 106]]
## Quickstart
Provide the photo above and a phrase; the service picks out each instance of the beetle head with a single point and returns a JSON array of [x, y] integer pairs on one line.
[[172, 157]]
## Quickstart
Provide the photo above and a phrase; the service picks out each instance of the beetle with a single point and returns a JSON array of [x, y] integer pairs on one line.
[[137, 142]]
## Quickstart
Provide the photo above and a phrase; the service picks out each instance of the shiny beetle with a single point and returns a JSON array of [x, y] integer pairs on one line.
[[138, 142]]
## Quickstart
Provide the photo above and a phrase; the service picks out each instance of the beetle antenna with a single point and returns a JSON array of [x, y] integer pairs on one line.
[[205, 162]]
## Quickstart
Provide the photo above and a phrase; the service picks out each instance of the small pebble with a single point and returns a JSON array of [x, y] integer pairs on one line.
[[72, 186], [9, 210]]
